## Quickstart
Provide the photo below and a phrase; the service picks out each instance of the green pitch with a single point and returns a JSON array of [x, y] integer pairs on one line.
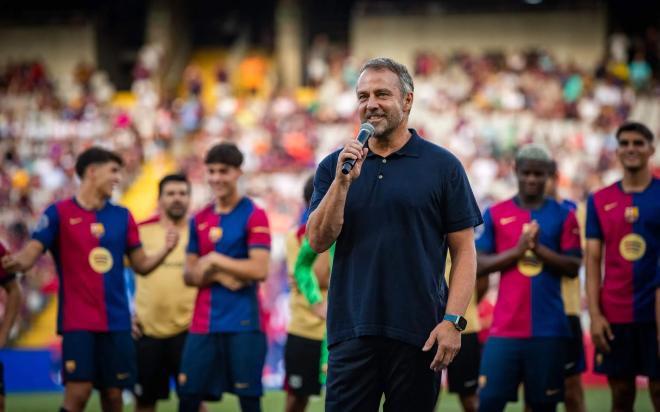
[[597, 400]]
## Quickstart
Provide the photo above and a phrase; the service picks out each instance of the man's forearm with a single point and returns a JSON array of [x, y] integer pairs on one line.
[[325, 223], [249, 269], [566, 265], [462, 278], [490, 263], [12, 308], [149, 263], [593, 285]]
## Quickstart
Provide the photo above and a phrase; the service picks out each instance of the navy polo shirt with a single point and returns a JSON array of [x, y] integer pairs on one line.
[[387, 276]]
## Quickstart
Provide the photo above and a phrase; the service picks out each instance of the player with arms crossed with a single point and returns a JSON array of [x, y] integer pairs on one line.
[[228, 254]]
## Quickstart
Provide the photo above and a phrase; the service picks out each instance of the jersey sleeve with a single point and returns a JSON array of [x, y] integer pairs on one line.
[[258, 230], [570, 236], [485, 235], [593, 229], [325, 173], [303, 274], [132, 235], [459, 207], [47, 228], [193, 238]]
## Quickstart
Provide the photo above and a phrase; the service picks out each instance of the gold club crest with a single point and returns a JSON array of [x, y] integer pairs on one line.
[[530, 265], [183, 378], [631, 214], [632, 247], [215, 233], [100, 260], [97, 229]]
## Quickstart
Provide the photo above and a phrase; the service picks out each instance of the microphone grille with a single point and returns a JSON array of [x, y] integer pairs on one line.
[[368, 127]]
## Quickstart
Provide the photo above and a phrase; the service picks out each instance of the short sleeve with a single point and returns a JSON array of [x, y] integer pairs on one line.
[[193, 238], [570, 235], [132, 235], [323, 178], [47, 228], [485, 235], [258, 230], [459, 207], [593, 230]]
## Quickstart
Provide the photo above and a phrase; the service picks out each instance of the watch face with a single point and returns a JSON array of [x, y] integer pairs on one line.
[[461, 323]]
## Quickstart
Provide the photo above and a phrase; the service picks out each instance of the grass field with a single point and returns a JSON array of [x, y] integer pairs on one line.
[[597, 400]]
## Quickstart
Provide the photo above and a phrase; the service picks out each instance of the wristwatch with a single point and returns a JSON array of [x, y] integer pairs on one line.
[[458, 321]]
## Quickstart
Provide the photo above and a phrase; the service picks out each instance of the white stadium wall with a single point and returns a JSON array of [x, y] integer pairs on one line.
[[578, 36], [62, 47]]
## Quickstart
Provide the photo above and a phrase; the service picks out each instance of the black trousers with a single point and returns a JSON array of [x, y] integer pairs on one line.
[[362, 370]]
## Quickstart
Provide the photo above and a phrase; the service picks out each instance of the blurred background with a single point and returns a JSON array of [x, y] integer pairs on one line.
[[160, 81]]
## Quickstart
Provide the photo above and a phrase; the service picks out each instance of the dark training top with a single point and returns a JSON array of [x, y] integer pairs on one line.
[[387, 277]]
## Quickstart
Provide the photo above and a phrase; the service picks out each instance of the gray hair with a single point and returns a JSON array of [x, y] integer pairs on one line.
[[385, 63], [533, 151]]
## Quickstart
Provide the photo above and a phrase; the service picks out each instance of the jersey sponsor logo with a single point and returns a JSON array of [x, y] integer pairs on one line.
[[75, 220], [632, 247], [97, 229], [261, 229], [215, 234], [123, 376], [100, 260], [631, 214], [610, 206], [506, 220], [530, 265], [241, 385]]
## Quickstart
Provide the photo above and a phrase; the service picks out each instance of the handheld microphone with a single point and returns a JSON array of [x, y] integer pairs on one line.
[[366, 131]]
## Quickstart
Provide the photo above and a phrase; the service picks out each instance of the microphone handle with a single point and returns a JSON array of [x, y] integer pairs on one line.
[[363, 137]]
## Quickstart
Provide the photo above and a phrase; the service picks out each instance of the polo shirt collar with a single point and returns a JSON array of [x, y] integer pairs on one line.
[[411, 148]]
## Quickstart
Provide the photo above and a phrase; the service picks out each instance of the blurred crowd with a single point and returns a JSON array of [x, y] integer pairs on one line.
[[481, 107]]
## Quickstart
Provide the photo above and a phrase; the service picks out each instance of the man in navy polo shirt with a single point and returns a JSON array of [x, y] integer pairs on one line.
[[392, 323]]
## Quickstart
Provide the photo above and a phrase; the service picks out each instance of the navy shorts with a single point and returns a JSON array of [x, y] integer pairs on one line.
[[302, 361], [463, 372], [634, 351], [361, 370], [159, 360], [538, 363], [215, 363], [107, 359], [575, 358]]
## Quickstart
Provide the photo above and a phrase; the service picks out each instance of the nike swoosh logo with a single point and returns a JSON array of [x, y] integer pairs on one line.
[[551, 392], [75, 220], [202, 226], [610, 206], [506, 220]]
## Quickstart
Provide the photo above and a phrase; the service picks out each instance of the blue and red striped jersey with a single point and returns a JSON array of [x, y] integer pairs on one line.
[[529, 301], [88, 247], [629, 226], [218, 309]]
